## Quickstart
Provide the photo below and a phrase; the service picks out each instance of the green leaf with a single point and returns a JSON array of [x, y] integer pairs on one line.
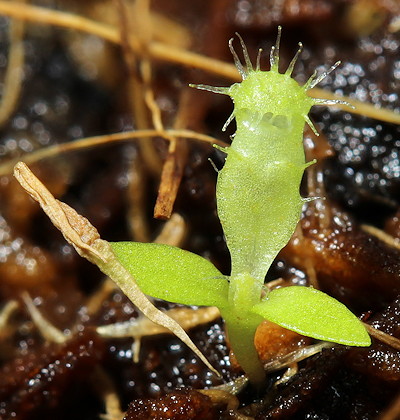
[[172, 274], [313, 313]]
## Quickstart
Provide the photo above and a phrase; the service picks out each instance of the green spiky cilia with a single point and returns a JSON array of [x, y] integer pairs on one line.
[[259, 206]]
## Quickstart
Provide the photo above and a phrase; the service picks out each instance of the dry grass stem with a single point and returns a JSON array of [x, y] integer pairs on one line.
[[382, 336], [220, 397], [360, 108], [173, 232], [291, 370], [235, 386], [308, 264], [154, 109], [90, 142], [174, 164], [171, 176], [48, 331], [46, 16], [171, 32], [136, 346], [14, 72], [296, 356], [151, 160], [156, 50], [161, 51], [148, 159], [311, 272], [274, 283], [83, 236], [186, 317], [95, 301], [317, 191], [382, 235], [141, 19], [139, 73], [136, 198], [108, 393], [137, 328], [6, 312]]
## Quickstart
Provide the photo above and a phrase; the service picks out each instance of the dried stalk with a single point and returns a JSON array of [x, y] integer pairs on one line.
[[84, 237], [108, 393], [14, 72], [6, 312], [220, 397], [382, 336], [174, 164], [296, 356], [161, 51], [173, 232], [136, 195], [89, 142], [382, 236], [137, 328], [139, 73], [48, 330]]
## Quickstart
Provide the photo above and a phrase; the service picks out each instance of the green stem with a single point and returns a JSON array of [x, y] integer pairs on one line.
[[241, 331], [241, 324], [244, 292]]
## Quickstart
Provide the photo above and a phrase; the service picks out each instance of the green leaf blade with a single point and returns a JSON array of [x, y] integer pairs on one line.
[[313, 313], [172, 274]]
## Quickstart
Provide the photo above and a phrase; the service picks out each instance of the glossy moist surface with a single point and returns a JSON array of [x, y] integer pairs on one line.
[[64, 97]]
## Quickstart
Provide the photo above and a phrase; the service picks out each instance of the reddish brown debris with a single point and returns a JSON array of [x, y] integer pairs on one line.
[[178, 405], [351, 264], [380, 361], [335, 380], [170, 179], [304, 387], [26, 267], [273, 342], [392, 225], [38, 381]]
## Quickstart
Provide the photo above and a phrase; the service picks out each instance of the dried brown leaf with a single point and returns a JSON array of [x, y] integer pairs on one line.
[[83, 236]]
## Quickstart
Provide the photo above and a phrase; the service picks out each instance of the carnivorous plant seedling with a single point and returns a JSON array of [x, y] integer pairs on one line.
[[259, 206]]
